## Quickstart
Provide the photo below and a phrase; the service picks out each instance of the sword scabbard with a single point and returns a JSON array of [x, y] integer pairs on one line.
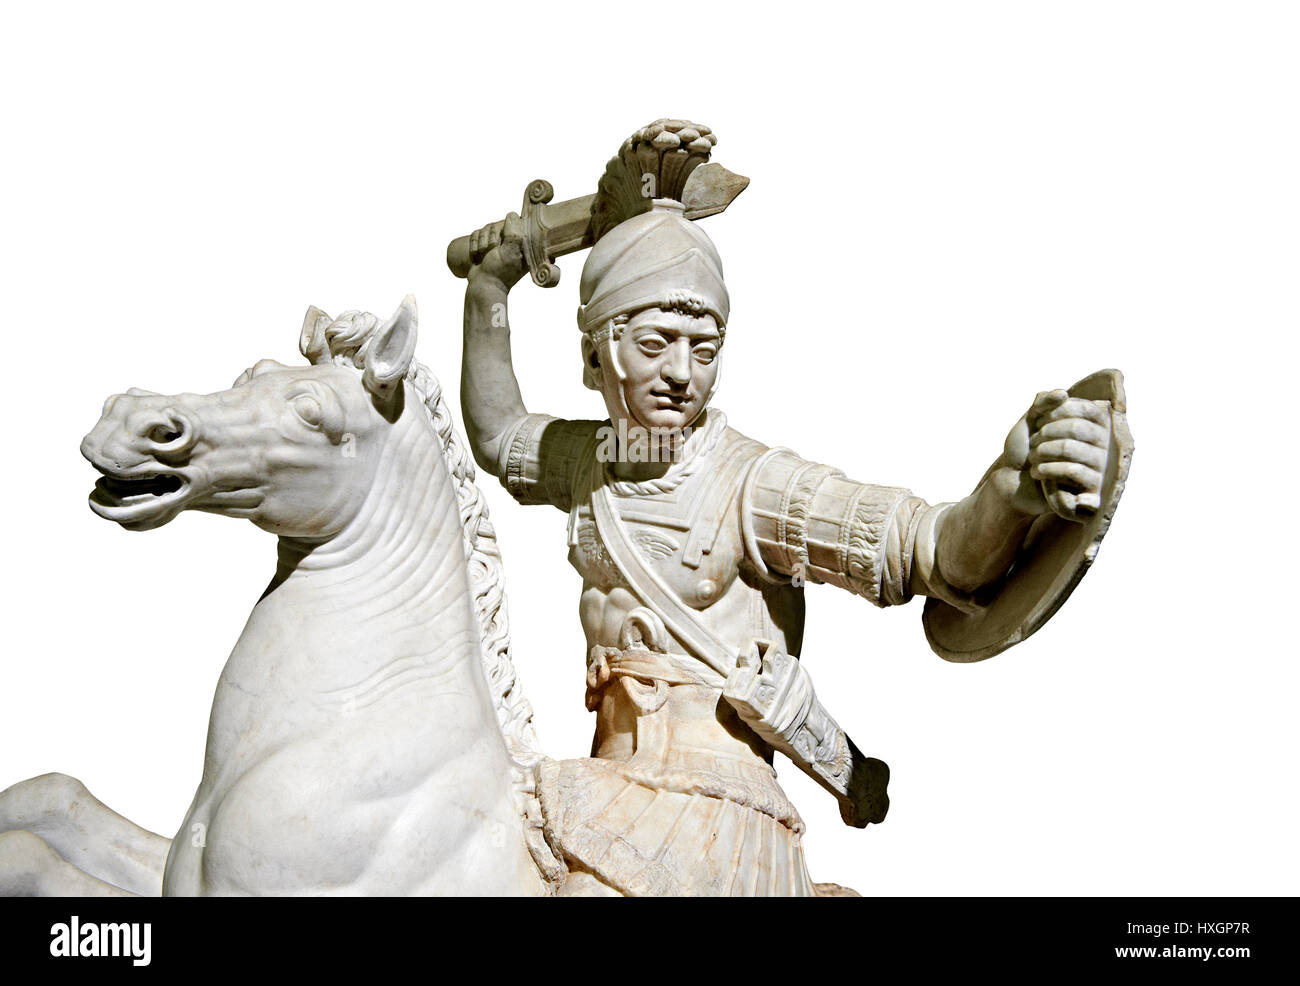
[[773, 694]]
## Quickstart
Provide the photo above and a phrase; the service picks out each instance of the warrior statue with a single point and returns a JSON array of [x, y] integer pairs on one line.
[[695, 542]]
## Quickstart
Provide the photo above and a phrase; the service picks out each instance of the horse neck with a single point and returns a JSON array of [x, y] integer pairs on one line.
[[398, 570]]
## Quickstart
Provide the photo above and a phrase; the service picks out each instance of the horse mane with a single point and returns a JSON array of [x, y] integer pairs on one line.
[[347, 338], [487, 575]]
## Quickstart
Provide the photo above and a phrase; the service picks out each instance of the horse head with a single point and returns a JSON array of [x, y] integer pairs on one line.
[[379, 653], [293, 449]]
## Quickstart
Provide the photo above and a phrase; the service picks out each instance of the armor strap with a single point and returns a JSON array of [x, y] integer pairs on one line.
[[832, 760], [648, 586]]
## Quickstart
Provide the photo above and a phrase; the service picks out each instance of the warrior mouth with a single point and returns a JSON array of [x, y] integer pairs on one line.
[[677, 400]]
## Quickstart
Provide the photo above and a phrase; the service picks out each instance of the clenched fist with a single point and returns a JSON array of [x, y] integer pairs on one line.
[[497, 253], [1055, 457]]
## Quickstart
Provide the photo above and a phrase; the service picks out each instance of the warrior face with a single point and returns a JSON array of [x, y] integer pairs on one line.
[[664, 367], [653, 313]]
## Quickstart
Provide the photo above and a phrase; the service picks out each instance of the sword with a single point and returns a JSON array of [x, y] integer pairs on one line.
[[546, 230]]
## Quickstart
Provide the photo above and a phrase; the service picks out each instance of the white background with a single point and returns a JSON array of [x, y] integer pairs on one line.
[[953, 206]]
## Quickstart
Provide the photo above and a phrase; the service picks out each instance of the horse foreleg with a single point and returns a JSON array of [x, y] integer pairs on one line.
[[99, 847], [29, 867]]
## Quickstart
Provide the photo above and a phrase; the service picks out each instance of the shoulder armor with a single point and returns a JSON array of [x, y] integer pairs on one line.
[[808, 522], [541, 454]]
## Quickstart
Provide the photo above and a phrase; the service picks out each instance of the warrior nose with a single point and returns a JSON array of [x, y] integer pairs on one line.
[[677, 367]]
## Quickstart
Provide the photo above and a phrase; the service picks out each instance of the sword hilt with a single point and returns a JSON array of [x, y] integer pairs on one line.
[[543, 232]]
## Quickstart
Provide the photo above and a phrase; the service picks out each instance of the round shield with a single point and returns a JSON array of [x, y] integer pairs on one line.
[[1054, 557]]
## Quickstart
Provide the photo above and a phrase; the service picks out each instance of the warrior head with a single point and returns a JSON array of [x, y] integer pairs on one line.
[[653, 318]]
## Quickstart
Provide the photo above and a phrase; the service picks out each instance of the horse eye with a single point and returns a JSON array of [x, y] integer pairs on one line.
[[308, 408]]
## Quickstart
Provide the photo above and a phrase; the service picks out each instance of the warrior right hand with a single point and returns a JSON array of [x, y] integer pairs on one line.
[[496, 255]]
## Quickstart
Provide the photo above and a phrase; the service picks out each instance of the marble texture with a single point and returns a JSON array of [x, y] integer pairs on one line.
[[369, 734]]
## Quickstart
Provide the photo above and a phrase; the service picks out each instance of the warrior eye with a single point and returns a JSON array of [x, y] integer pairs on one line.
[[652, 345], [706, 353], [308, 408]]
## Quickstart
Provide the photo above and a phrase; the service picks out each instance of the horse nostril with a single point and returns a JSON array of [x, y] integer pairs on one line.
[[172, 435], [163, 435]]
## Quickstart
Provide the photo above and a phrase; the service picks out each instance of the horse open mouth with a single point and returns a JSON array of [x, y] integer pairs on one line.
[[132, 500]]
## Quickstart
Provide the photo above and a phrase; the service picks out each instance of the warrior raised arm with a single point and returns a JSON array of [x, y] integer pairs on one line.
[[665, 161], [489, 392]]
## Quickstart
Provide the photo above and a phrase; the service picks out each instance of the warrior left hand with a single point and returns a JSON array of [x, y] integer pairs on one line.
[[1055, 457]]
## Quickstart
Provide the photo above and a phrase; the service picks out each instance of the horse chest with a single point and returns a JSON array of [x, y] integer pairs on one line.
[[317, 778], [355, 808]]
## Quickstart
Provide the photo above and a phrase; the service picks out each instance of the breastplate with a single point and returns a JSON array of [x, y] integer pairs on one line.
[[689, 534]]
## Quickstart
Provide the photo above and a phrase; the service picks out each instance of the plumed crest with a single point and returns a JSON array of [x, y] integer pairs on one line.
[[653, 163]]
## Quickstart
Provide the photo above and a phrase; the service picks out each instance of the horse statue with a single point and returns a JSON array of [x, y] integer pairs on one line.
[[368, 734]]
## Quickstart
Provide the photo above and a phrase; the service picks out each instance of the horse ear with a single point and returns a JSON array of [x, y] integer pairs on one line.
[[391, 350], [311, 341]]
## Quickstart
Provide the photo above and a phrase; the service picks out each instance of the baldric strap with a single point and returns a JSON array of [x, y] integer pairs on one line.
[[759, 672]]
